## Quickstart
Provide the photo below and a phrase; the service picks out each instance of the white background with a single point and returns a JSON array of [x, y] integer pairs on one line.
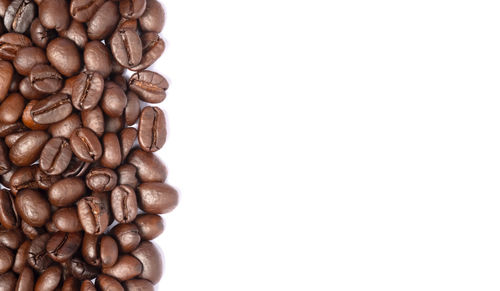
[[333, 145]]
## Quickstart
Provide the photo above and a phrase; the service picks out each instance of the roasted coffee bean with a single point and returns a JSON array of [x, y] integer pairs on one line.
[[10, 44], [77, 33], [67, 220], [149, 167], [111, 156], [51, 227], [113, 100], [94, 120], [38, 257], [52, 109], [133, 108], [54, 14], [101, 179], [26, 280], [85, 145], [87, 90], [126, 46], [104, 21], [19, 15], [83, 10], [44, 180], [11, 139], [87, 285], [32, 206], [28, 91], [40, 35], [149, 86], [28, 119], [45, 79], [152, 49], [150, 226], [104, 197], [27, 149], [157, 198], [127, 236], [49, 279], [114, 124], [6, 259], [21, 259], [67, 191], [11, 238], [23, 178], [5, 178], [127, 175], [63, 245], [63, 55], [153, 17], [76, 168], [138, 284], [127, 140], [82, 270], [90, 249], [124, 203], [152, 132], [6, 73], [127, 267], [71, 284], [97, 58], [5, 165], [68, 85], [30, 231], [132, 9], [105, 282], [29, 57], [109, 251], [8, 213], [55, 157], [149, 256], [65, 127], [11, 108], [93, 214]]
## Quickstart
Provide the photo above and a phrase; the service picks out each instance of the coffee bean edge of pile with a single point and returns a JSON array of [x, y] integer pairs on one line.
[[83, 190]]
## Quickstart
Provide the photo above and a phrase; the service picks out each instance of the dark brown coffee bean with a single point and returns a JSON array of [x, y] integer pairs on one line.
[[66, 191], [152, 49], [83, 10], [93, 214], [14, 84], [45, 79], [76, 168], [127, 175], [114, 124], [28, 119], [30, 231], [87, 285], [101, 179], [8, 281], [44, 180], [28, 91], [124, 203], [132, 9], [97, 58], [8, 213], [26, 280], [82, 270], [104, 21], [111, 157], [150, 226], [10, 43], [6, 259], [6, 73], [150, 257], [67, 220], [94, 120], [27, 149], [5, 165], [38, 257], [153, 17], [9, 128], [50, 279], [65, 127], [64, 56], [149, 167], [5, 178], [40, 35], [85, 145], [77, 33], [108, 283], [149, 86], [27, 58], [113, 100], [127, 236], [127, 140], [133, 108], [21, 259], [152, 132], [19, 15], [63, 245], [55, 157], [109, 251], [11, 238], [126, 46], [157, 198], [54, 14], [52, 109], [127, 267], [87, 90], [32, 207], [71, 284], [23, 178], [11, 108], [90, 249], [104, 197], [11, 139], [138, 284]]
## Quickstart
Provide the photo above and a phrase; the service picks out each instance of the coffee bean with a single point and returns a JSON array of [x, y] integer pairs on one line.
[[82, 270], [149, 86], [27, 149], [133, 108], [124, 203], [127, 236], [93, 215], [26, 280], [19, 15], [132, 9], [55, 156], [38, 257], [28, 119], [152, 49], [149, 167], [66, 191], [9, 128], [150, 226], [152, 131], [127, 175], [126, 47], [8, 213], [63, 245], [153, 17], [32, 207], [105, 282], [94, 120], [87, 285], [29, 57], [52, 109], [150, 258], [64, 56], [6, 73], [157, 198], [65, 127], [11, 238], [127, 267], [23, 178], [111, 156], [49, 279], [11, 108], [54, 14], [113, 100], [90, 249], [21, 259], [97, 58], [101, 179], [77, 33], [85, 145], [40, 35], [67, 220], [83, 10], [113, 124], [109, 251], [6, 259], [45, 79], [11, 43], [28, 91], [87, 90], [103, 22]]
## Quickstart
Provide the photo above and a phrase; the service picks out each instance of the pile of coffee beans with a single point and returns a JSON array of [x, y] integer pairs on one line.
[[83, 189]]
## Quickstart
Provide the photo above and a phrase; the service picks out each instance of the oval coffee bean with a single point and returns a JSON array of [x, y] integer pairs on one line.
[[157, 198], [87, 90], [111, 156], [82, 270], [6, 73], [11, 43], [32, 207], [54, 14], [27, 149], [27, 58], [21, 259], [11, 238], [127, 236], [127, 140], [83, 10], [152, 132], [55, 156], [45, 79], [85, 145], [26, 89], [97, 58], [149, 86], [93, 215], [104, 21], [26, 280], [153, 17], [90, 249], [127, 267], [149, 167], [67, 220], [133, 108], [94, 120], [65, 127], [8, 213], [108, 283], [49, 280], [38, 257], [40, 35], [150, 257], [109, 251], [64, 56], [113, 100], [127, 175], [126, 47], [6, 259], [152, 49], [66, 191], [52, 109], [132, 9], [19, 15], [150, 226], [63, 245], [101, 179], [124, 203], [11, 108]]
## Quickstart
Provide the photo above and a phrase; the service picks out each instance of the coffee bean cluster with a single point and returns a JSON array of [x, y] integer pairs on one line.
[[82, 189]]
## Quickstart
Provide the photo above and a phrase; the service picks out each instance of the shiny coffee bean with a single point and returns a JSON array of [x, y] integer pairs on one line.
[[6, 259], [8, 128], [124, 203], [94, 120], [26, 280], [149, 86], [104, 21], [19, 15], [11, 139], [21, 259], [97, 58], [65, 127], [150, 257], [67, 220], [152, 132], [23, 178], [85, 145], [63, 245], [87, 90], [127, 267], [27, 149], [149, 167], [83, 10], [8, 213], [105, 282], [127, 236], [45, 79], [111, 156], [93, 214], [150, 226], [109, 251], [38, 257], [50, 279], [11, 238], [40, 35], [101, 179], [157, 198], [114, 124], [54, 14], [55, 157], [52, 109], [63, 55], [11, 108], [33, 207], [127, 175], [28, 119], [27, 58], [132, 9], [66, 191], [90, 249], [126, 47], [113, 100], [152, 49], [10, 44], [153, 17], [82, 270], [28, 91]]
